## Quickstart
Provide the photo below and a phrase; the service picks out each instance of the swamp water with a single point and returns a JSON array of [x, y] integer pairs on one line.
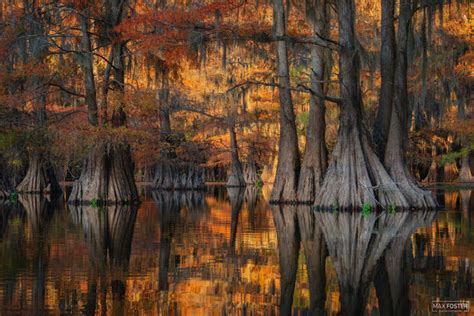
[[221, 253]]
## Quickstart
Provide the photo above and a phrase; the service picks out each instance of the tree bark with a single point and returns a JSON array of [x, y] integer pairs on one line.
[[251, 176], [387, 72], [236, 177], [355, 175], [315, 156], [88, 71], [395, 161], [465, 174], [106, 178], [288, 169], [40, 177]]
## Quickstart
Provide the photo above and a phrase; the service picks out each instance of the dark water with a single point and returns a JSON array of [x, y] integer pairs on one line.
[[230, 253]]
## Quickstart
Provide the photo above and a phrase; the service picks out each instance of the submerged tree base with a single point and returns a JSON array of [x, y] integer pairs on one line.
[[179, 177], [107, 178]]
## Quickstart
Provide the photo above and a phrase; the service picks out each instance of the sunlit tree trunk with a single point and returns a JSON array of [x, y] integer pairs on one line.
[[288, 169]]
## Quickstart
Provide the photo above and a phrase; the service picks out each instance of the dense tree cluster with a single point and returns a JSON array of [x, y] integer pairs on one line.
[[338, 103]]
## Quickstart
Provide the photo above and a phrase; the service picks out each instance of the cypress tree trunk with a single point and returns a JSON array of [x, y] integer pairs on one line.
[[108, 173], [355, 175], [315, 156], [398, 135], [387, 72], [106, 178], [40, 177], [88, 71], [286, 179], [236, 177], [465, 174], [251, 175]]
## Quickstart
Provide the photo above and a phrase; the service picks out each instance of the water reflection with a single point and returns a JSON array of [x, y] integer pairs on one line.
[[108, 232], [286, 225], [315, 253], [226, 252]]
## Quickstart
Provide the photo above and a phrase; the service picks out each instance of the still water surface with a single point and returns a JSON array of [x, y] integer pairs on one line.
[[227, 252]]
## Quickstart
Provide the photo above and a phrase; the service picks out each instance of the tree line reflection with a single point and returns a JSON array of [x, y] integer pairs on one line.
[[378, 251]]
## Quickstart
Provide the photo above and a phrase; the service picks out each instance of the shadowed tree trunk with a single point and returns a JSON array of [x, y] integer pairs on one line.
[[387, 72], [465, 174], [40, 176], [398, 135], [288, 169], [288, 234], [251, 176], [315, 253], [169, 174], [107, 177], [315, 156], [355, 174], [87, 69], [236, 177], [433, 174]]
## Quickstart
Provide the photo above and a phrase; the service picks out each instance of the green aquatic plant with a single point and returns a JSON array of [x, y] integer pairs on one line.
[[392, 208], [94, 203], [13, 197], [366, 209]]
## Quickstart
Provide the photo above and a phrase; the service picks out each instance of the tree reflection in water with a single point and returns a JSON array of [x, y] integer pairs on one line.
[[206, 256], [363, 248], [39, 212], [288, 234], [315, 253], [108, 232]]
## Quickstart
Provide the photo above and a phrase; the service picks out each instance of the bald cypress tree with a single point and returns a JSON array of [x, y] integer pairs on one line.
[[355, 175]]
